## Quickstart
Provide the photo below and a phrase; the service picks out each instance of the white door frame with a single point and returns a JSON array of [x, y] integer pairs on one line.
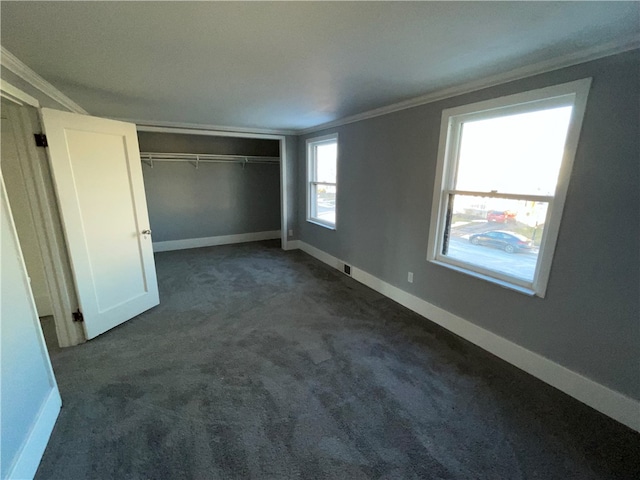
[[284, 207], [44, 209], [16, 95]]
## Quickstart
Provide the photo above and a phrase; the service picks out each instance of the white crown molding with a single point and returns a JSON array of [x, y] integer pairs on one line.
[[13, 64], [155, 126], [9, 61], [574, 58], [16, 95]]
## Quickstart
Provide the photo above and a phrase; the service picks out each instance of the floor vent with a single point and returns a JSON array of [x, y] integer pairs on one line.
[[347, 269]]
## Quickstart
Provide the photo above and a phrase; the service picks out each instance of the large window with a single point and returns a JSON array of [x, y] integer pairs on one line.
[[322, 167], [502, 177]]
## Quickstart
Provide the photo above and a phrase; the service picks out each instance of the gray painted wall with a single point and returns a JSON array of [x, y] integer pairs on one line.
[[590, 320], [292, 186], [215, 199], [183, 143]]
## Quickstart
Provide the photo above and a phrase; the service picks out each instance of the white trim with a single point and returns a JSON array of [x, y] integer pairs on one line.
[[311, 163], [215, 133], [581, 90], [14, 65], [322, 255], [170, 245], [44, 208], [507, 196], [614, 404], [53, 247], [28, 459], [161, 126], [284, 204], [328, 138], [571, 93], [322, 223], [574, 58], [490, 276], [293, 245], [16, 95]]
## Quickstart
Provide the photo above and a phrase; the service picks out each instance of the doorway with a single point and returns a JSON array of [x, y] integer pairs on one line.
[[32, 201], [285, 148], [25, 117]]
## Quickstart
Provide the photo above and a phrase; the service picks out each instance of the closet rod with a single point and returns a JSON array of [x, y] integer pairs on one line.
[[197, 158]]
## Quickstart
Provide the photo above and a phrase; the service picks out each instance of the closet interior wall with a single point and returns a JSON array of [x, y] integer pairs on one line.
[[186, 203]]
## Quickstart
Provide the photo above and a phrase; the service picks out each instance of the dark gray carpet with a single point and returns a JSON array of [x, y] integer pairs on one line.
[[266, 364]]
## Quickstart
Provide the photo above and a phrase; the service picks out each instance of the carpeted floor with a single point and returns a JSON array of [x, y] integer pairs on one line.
[[266, 364]]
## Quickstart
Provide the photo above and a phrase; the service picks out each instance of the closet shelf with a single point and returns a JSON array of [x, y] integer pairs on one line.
[[197, 158]]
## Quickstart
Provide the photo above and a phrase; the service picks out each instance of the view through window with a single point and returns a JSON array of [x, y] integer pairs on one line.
[[500, 174], [323, 163], [518, 156]]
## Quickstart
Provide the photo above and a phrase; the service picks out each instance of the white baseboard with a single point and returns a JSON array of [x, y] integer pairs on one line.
[[616, 405], [321, 255], [213, 241], [292, 245], [28, 459]]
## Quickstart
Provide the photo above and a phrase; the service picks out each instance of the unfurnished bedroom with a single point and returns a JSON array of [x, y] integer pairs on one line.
[[320, 240]]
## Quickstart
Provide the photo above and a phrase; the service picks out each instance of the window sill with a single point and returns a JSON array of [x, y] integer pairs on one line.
[[502, 283], [320, 223]]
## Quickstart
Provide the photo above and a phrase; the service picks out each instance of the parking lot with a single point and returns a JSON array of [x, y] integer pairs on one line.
[[520, 265]]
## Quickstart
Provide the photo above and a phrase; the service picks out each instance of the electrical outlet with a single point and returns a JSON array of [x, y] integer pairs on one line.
[[410, 277], [291, 233]]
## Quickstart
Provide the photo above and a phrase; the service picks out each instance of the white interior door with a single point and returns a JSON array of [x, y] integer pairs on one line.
[[98, 179]]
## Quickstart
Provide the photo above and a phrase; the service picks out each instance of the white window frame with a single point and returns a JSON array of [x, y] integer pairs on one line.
[[311, 178], [573, 93]]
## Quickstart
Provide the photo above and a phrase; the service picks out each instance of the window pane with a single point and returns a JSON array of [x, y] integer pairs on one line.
[[513, 154], [326, 162], [496, 234], [325, 203]]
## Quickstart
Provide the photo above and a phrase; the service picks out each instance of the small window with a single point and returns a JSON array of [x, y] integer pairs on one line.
[[502, 177], [322, 168]]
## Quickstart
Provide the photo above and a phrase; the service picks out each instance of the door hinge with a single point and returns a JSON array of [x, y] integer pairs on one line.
[[41, 140], [77, 316]]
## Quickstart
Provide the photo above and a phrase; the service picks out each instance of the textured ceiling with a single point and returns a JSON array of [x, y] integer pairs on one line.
[[289, 65]]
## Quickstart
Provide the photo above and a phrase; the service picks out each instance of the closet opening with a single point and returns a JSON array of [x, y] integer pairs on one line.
[[212, 188]]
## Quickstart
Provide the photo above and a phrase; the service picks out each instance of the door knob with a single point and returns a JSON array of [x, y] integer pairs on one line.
[[146, 232]]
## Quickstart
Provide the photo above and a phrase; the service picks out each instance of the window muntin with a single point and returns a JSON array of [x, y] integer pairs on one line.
[[503, 167], [322, 166]]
